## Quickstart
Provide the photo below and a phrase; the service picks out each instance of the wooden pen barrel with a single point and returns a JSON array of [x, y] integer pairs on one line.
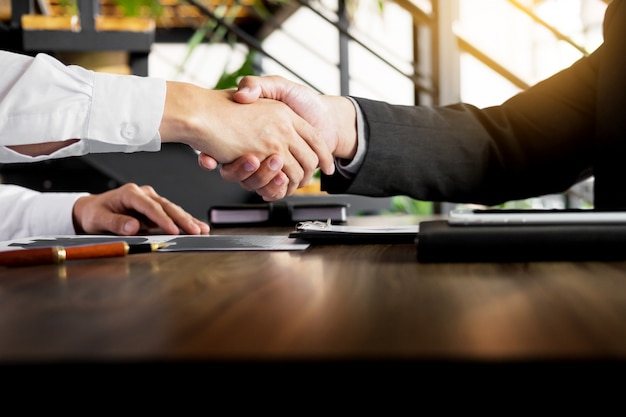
[[36, 256], [58, 254], [104, 250]]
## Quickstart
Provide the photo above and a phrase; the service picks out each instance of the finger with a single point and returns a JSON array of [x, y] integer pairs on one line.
[[275, 87], [299, 159], [311, 142], [103, 213], [241, 169], [308, 162], [314, 139], [207, 162], [276, 189], [204, 227], [185, 221], [260, 176], [146, 202], [295, 172], [120, 224], [173, 213], [112, 212]]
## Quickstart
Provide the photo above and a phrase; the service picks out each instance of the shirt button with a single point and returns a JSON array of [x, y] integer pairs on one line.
[[128, 131]]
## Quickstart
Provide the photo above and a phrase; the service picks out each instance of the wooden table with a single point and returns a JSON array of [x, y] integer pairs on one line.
[[327, 303]]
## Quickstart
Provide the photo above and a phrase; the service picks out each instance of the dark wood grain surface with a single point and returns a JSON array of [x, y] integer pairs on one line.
[[350, 302]]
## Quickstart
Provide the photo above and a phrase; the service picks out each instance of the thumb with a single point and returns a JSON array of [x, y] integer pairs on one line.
[[302, 100], [207, 162], [248, 90], [120, 224]]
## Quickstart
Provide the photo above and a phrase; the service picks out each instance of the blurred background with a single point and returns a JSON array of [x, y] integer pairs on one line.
[[426, 52]]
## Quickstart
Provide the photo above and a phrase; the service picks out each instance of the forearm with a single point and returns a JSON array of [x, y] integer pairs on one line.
[[186, 110], [537, 143]]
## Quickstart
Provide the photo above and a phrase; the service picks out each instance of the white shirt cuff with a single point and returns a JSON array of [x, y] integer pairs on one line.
[[26, 213]]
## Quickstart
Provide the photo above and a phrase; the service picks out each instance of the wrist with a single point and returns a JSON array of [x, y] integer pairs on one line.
[[179, 122], [77, 214], [345, 120]]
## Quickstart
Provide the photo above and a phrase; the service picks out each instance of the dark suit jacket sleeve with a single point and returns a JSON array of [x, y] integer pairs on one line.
[[538, 142]]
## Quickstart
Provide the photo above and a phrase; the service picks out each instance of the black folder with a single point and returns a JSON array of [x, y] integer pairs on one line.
[[438, 241], [278, 213]]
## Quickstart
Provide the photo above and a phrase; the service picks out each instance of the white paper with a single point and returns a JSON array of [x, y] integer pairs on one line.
[[176, 243], [316, 226]]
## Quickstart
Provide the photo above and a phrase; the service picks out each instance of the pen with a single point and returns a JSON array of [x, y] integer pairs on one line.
[[59, 254]]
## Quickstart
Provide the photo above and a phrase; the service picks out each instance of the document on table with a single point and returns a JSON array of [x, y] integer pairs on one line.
[[174, 243]]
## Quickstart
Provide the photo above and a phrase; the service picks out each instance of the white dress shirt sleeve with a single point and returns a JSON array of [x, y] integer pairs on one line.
[[27, 213], [43, 100]]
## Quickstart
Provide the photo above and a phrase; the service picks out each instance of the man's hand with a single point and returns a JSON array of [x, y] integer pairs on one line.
[[266, 177], [211, 122], [131, 209], [334, 117], [303, 100]]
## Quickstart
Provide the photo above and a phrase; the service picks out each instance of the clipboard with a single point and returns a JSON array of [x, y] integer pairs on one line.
[[326, 233]]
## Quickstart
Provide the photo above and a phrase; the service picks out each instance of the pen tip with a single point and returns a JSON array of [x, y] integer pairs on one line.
[[157, 246], [146, 247]]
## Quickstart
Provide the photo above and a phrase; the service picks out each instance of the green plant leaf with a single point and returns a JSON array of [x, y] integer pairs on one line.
[[231, 79], [407, 205]]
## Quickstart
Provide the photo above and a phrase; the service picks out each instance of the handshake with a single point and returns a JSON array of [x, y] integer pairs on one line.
[[269, 134]]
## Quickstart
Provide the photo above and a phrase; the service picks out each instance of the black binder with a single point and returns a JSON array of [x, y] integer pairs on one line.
[[278, 213], [439, 241]]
